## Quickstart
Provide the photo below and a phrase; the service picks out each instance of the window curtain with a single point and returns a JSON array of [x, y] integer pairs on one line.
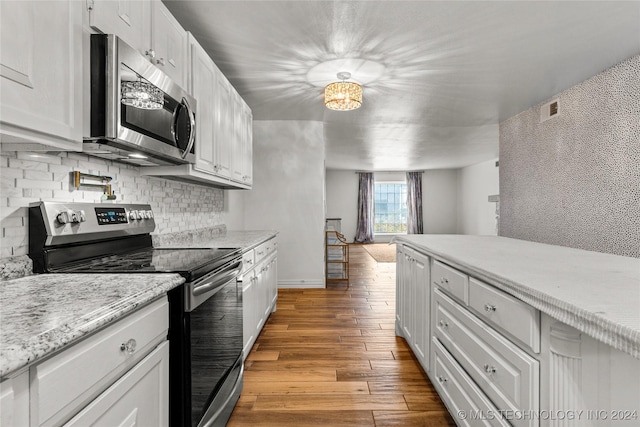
[[364, 231], [414, 203]]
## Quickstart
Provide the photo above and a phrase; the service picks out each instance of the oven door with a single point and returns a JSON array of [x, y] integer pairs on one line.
[[206, 368]]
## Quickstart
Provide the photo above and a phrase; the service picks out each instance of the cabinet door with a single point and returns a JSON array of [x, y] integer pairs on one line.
[[243, 144], [237, 147], [41, 69], [128, 19], [223, 126], [139, 398], [248, 323], [406, 319], [400, 266], [421, 314], [14, 401], [203, 80], [169, 41]]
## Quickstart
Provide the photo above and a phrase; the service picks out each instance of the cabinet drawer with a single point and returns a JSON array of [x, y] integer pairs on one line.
[[248, 260], [460, 394], [65, 383], [504, 372], [261, 251], [450, 280], [509, 314]]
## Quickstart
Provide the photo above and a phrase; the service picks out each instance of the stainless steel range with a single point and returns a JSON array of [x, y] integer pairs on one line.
[[205, 329]]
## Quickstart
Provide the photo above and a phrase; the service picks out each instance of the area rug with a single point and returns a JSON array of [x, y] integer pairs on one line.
[[381, 252]]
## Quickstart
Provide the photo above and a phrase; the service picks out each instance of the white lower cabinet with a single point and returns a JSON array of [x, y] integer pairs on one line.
[[14, 400], [86, 383], [497, 361], [413, 298], [505, 373], [460, 394], [259, 290], [139, 398]]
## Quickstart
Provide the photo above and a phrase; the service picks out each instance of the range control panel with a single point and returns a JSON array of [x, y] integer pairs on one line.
[[75, 222]]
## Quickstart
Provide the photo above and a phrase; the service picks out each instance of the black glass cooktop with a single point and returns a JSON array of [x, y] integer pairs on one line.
[[155, 260]]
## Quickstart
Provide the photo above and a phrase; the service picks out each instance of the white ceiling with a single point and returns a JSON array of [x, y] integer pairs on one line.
[[445, 73]]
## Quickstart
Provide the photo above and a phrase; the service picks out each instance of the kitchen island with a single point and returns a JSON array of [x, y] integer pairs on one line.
[[524, 328]]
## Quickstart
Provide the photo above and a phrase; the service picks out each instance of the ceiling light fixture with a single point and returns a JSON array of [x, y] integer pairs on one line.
[[343, 96]]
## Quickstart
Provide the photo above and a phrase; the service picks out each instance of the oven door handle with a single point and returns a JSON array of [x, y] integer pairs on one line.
[[208, 419], [218, 280]]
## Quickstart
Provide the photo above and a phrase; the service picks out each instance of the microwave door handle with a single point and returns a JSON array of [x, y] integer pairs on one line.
[[192, 134]]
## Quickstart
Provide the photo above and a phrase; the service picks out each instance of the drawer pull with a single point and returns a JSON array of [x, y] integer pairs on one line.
[[443, 324], [489, 308], [489, 369], [442, 380], [129, 346], [444, 280]]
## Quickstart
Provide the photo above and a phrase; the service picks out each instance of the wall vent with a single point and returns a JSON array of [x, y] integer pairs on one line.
[[549, 110]]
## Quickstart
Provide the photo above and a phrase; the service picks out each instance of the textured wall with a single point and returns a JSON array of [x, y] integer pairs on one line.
[[574, 180], [31, 177]]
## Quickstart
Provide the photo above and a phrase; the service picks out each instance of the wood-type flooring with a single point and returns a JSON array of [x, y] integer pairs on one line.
[[330, 357]]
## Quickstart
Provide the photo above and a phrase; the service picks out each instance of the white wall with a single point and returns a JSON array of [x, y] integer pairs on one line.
[[233, 210], [288, 196], [342, 200], [439, 201], [476, 215]]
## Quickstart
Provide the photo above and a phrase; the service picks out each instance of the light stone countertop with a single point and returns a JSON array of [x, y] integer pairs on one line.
[[596, 293], [231, 239], [41, 314]]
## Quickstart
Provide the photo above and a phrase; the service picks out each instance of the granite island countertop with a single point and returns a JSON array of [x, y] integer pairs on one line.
[[42, 314], [596, 293]]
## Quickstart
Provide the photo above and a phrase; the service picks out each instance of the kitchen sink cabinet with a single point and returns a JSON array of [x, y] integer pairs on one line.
[[148, 27], [41, 84]]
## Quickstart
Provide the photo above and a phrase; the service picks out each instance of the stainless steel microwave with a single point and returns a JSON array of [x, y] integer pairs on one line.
[[138, 114]]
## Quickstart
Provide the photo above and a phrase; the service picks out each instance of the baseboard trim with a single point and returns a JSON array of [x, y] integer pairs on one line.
[[297, 284]]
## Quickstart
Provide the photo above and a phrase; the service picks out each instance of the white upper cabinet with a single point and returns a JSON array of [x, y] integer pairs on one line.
[[224, 137], [242, 142], [203, 83], [41, 74], [169, 41], [147, 26], [128, 19]]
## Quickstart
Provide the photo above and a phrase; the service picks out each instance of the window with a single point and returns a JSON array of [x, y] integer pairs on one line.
[[390, 200]]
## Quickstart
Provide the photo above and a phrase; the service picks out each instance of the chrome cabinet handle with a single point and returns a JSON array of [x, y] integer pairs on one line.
[[129, 346], [150, 53], [442, 380], [443, 324], [160, 62], [444, 280], [488, 369], [490, 308]]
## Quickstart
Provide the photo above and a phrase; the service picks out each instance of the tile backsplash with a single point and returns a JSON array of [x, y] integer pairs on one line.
[[30, 177]]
